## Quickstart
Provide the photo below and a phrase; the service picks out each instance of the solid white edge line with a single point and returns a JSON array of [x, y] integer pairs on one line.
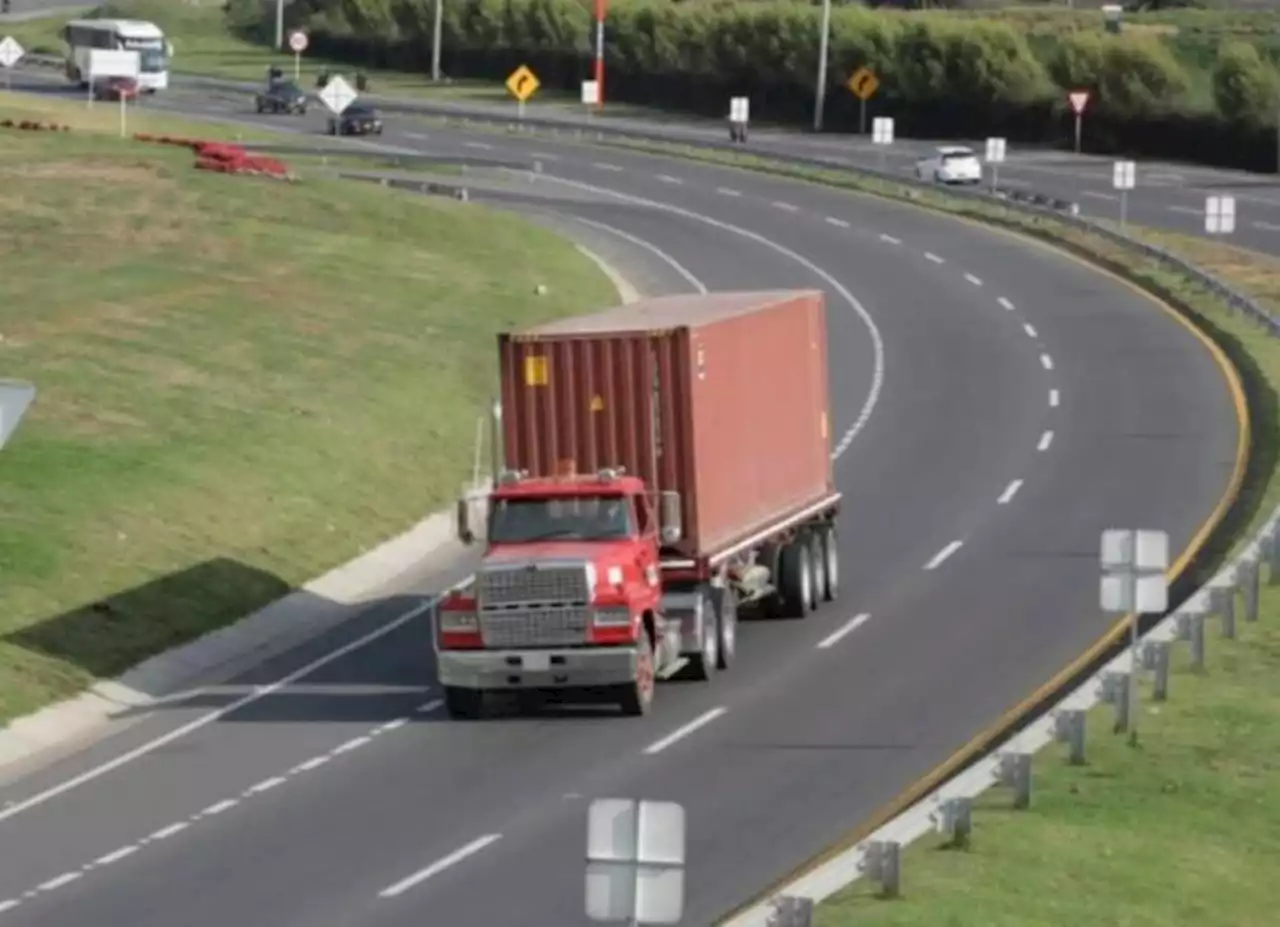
[[943, 554], [684, 730], [653, 249], [457, 856], [1045, 440], [1053, 397], [1009, 492], [843, 631], [207, 719]]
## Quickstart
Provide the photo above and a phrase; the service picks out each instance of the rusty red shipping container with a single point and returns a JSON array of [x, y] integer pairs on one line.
[[722, 397]]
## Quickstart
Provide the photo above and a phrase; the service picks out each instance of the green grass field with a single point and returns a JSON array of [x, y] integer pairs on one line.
[[242, 383]]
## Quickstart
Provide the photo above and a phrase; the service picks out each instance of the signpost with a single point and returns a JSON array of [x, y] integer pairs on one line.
[[1122, 178], [337, 95], [863, 84], [522, 83], [820, 85], [1133, 583], [16, 397], [1220, 215], [297, 44], [995, 157], [739, 115], [882, 135], [1078, 99], [10, 54], [635, 861]]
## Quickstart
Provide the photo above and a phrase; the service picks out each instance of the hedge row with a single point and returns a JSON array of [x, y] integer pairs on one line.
[[940, 76]]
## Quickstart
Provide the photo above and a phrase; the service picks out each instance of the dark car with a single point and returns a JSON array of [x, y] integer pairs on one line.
[[283, 97], [116, 89], [357, 119]]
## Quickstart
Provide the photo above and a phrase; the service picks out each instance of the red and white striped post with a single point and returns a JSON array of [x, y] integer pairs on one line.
[[601, 6]]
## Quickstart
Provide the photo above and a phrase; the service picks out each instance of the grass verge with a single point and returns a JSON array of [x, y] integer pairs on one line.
[[242, 384], [1182, 828]]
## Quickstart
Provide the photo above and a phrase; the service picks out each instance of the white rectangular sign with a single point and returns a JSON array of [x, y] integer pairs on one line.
[[590, 93], [1220, 215], [882, 130], [635, 861], [739, 109], [1123, 175], [1133, 566], [104, 63], [995, 150]]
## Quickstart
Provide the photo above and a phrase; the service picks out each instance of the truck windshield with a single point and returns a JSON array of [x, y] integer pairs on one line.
[[567, 518]]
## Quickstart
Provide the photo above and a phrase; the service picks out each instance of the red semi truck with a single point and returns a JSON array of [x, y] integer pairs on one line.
[[666, 462]]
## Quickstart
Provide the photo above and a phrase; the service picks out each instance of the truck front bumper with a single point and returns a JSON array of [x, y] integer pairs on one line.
[[574, 668]]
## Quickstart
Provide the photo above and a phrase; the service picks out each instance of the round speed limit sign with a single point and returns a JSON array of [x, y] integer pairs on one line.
[[298, 42]]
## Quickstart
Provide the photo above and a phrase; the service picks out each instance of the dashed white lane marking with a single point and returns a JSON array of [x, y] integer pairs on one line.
[[785, 207], [1046, 361], [1185, 210], [429, 707], [1045, 440], [165, 833], [602, 166], [266, 785], [353, 744], [9, 905], [890, 239], [391, 725], [667, 178], [726, 191], [684, 731], [439, 866], [544, 156], [479, 146], [1009, 492], [976, 281], [1053, 397], [314, 763], [225, 805], [1109, 197], [418, 136], [843, 631], [64, 879], [653, 249], [1266, 226], [1031, 332], [943, 554], [1008, 306], [838, 223], [933, 257], [116, 856]]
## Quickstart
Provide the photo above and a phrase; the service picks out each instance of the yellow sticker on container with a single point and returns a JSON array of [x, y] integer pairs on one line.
[[535, 370], [597, 403]]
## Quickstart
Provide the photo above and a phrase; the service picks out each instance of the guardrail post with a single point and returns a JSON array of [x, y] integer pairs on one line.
[[1271, 545], [1191, 629], [1015, 772], [1250, 586], [790, 911], [884, 865], [1068, 728], [1115, 691], [956, 820], [1155, 657], [1224, 603]]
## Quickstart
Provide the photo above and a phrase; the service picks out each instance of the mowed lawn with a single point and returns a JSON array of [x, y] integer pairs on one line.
[[242, 383]]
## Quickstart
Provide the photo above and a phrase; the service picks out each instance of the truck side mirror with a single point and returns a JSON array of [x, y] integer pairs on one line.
[[671, 516], [463, 514]]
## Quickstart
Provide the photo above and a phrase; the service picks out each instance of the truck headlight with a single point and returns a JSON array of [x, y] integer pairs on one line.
[[613, 617]]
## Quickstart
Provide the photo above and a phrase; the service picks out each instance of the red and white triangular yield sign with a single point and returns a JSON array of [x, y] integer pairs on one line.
[[1079, 99]]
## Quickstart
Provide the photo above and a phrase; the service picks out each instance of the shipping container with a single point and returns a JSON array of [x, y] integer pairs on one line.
[[722, 397]]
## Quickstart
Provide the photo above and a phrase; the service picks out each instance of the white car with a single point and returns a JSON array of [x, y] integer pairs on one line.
[[951, 164]]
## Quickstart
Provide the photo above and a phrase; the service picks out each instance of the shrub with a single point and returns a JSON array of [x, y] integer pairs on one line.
[[1244, 86]]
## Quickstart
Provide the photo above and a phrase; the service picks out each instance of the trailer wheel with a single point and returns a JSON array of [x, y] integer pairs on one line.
[[636, 697], [831, 561], [795, 578], [725, 603], [463, 704], [703, 664]]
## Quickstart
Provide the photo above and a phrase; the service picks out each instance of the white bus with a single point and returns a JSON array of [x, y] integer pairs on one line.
[[154, 52]]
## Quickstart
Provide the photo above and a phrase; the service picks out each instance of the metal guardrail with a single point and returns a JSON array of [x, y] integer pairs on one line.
[[947, 810]]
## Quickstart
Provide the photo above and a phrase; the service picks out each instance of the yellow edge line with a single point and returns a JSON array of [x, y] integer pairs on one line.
[[1244, 444]]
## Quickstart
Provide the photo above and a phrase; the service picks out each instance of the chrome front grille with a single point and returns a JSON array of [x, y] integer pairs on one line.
[[497, 588], [534, 627]]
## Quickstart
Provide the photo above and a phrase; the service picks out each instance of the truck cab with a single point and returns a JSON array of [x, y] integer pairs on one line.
[[568, 594]]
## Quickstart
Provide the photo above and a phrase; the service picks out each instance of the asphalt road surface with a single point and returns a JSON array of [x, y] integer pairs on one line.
[[997, 405]]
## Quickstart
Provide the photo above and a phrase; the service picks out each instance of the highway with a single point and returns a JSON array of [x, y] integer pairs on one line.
[[997, 405]]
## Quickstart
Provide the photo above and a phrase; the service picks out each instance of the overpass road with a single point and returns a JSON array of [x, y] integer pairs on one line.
[[997, 405]]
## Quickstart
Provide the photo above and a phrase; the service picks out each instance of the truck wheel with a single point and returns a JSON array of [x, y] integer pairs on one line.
[[725, 602], [637, 696], [703, 664], [818, 560], [795, 578], [463, 704], [831, 561]]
